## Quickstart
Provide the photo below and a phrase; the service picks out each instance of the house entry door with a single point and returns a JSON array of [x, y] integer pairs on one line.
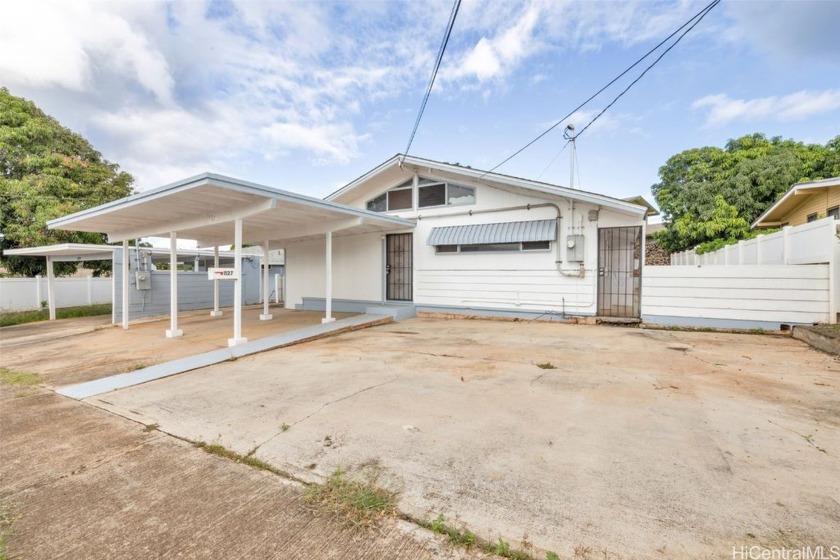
[[399, 267], [619, 271]]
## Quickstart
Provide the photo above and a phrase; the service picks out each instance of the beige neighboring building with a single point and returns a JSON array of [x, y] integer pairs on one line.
[[803, 203]]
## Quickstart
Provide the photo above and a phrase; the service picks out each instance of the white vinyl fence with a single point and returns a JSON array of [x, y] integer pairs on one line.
[[806, 244], [26, 294], [789, 277]]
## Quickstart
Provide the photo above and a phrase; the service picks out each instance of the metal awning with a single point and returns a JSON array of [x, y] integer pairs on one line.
[[503, 232]]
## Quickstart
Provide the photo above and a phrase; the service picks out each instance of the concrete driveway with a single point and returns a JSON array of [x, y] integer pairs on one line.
[[626, 443]]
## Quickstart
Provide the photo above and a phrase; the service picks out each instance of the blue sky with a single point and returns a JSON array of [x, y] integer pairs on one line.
[[306, 96]]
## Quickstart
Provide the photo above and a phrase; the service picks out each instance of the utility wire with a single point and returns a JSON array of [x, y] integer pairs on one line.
[[700, 14], [652, 64], [550, 163], [452, 15]]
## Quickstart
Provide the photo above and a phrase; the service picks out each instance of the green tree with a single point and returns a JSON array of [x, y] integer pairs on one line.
[[48, 171], [750, 173]]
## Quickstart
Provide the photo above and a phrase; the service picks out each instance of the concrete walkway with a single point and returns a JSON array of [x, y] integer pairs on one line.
[[144, 375]]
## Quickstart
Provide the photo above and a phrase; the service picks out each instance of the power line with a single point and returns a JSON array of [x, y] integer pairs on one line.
[[452, 15], [550, 163], [652, 64], [700, 14]]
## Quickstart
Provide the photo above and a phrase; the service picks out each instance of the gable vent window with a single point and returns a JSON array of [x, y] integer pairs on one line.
[[430, 194]]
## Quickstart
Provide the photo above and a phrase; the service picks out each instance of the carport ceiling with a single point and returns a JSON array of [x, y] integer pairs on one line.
[[204, 208]]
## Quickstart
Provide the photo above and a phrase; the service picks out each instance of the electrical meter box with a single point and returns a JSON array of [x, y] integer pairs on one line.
[[143, 280], [574, 248]]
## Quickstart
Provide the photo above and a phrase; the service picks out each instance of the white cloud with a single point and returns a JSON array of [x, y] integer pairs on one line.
[[723, 109]]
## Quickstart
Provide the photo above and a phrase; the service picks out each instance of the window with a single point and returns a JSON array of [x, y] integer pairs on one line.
[[833, 213], [458, 196], [494, 247], [812, 217], [399, 199], [430, 193], [535, 245], [378, 204]]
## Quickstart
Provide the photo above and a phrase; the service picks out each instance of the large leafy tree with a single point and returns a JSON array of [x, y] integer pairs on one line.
[[48, 171], [749, 174]]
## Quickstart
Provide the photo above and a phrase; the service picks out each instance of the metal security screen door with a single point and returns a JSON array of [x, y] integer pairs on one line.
[[619, 271], [399, 267]]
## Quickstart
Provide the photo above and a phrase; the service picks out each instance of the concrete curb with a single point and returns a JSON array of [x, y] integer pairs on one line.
[[817, 339]]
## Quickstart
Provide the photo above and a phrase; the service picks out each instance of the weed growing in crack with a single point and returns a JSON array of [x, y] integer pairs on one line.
[[546, 365], [360, 503], [463, 537], [284, 427], [222, 451]]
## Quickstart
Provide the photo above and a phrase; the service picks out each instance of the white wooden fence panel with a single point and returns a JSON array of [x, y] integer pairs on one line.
[[26, 294], [747, 295]]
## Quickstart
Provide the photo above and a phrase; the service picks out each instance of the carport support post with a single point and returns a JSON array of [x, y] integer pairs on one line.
[[266, 316], [125, 285], [173, 330], [328, 272], [216, 312], [51, 287], [237, 285]]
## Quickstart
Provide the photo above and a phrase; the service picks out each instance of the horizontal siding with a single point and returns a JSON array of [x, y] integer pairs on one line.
[[769, 293], [539, 289]]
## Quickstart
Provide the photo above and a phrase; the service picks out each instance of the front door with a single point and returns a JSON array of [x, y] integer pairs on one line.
[[399, 267], [619, 271]]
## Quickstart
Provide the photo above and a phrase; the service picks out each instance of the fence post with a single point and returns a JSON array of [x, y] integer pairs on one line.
[[38, 299], [758, 255], [90, 290], [741, 252], [786, 245]]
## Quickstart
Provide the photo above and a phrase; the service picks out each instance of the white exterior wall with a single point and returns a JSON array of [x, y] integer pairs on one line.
[[357, 268], [736, 296], [515, 281], [23, 294]]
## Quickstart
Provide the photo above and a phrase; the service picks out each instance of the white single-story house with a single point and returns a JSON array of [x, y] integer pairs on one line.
[[412, 234], [479, 244]]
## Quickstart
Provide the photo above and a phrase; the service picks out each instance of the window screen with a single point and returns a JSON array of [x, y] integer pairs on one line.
[[399, 200], [432, 195]]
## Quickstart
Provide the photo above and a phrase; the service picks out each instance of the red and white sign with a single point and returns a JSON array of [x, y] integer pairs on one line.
[[222, 274]]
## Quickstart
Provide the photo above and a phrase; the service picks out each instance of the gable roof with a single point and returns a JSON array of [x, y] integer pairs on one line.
[[774, 215], [492, 179]]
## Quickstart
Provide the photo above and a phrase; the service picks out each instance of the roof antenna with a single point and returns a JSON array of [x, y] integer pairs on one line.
[[569, 134]]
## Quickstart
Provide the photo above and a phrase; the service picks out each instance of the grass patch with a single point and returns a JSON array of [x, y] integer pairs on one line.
[[6, 522], [284, 427], [19, 378], [222, 451], [462, 537], [546, 365], [358, 502], [10, 318]]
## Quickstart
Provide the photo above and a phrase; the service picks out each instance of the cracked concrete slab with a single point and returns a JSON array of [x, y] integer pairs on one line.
[[83, 483], [623, 446]]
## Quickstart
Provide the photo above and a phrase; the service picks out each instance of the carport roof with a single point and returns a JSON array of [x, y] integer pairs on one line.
[[67, 252], [203, 206]]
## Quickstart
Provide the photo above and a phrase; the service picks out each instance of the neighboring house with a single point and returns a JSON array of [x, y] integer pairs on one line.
[[803, 203], [483, 244]]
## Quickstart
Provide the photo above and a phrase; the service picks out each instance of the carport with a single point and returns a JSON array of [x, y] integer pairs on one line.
[[216, 210], [65, 252]]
